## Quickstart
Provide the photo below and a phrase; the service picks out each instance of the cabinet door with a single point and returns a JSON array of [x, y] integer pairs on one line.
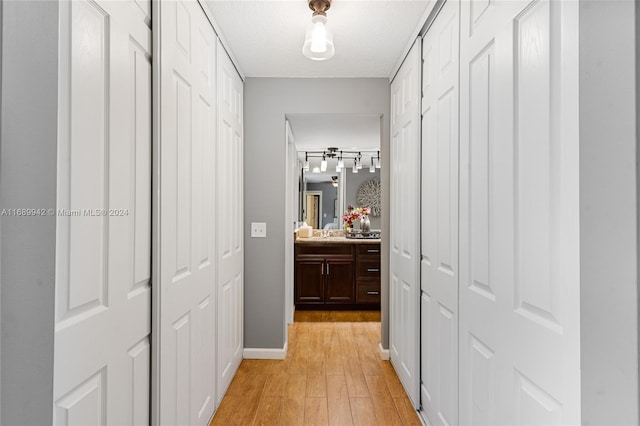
[[339, 282], [309, 281]]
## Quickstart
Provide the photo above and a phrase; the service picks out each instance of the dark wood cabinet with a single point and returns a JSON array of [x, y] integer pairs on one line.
[[368, 274], [337, 275], [310, 281], [339, 281]]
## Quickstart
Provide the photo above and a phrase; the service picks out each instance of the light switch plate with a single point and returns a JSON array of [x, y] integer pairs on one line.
[[258, 230]]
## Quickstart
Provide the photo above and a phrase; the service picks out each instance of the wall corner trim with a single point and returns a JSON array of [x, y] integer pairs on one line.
[[384, 353], [265, 353]]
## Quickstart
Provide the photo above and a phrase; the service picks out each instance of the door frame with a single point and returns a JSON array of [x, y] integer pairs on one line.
[[290, 220]]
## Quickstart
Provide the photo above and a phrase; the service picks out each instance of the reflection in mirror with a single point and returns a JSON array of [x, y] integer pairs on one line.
[[324, 197], [337, 154], [320, 199]]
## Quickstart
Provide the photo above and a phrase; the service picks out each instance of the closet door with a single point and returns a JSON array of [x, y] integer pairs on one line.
[[230, 214], [185, 291], [102, 294], [519, 291], [439, 243], [404, 262]]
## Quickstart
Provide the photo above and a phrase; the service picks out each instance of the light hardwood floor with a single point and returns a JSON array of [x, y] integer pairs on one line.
[[332, 375], [336, 316]]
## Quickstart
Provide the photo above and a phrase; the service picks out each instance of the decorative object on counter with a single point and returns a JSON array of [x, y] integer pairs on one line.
[[305, 231], [360, 234], [369, 196], [365, 223], [352, 214]]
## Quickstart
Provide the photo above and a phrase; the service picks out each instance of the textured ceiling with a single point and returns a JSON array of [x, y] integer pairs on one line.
[[266, 36]]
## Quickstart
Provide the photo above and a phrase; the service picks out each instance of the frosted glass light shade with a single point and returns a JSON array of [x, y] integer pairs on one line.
[[318, 40], [323, 165]]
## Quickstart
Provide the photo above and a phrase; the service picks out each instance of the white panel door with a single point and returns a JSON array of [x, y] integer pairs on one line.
[[519, 229], [230, 216], [184, 383], [404, 216], [103, 299], [439, 236]]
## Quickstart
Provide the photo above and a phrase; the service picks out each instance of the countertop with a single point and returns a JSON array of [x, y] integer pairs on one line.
[[334, 236], [342, 240]]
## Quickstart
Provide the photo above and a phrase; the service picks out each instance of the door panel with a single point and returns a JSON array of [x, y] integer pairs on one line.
[[186, 284], [310, 281], [519, 292], [102, 352], [439, 237], [340, 285], [230, 249], [404, 297]]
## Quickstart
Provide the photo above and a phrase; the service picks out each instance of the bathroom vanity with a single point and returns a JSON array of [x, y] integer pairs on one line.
[[337, 273]]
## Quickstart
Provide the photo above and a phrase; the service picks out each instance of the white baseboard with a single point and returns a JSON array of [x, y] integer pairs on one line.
[[258, 353], [384, 353]]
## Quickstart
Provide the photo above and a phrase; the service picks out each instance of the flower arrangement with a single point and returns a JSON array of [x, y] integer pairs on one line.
[[352, 214]]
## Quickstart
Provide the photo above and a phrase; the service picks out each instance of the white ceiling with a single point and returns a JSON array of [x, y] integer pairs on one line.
[[266, 36], [360, 132], [347, 132]]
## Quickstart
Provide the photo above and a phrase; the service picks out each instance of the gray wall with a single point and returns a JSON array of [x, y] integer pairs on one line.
[[28, 138], [329, 194], [266, 101], [352, 184], [608, 213]]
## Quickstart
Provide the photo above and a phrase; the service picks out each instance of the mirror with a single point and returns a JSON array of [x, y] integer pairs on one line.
[[324, 204], [323, 196], [321, 199]]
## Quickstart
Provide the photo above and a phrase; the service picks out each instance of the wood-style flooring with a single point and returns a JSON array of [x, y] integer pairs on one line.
[[332, 375], [336, 316]]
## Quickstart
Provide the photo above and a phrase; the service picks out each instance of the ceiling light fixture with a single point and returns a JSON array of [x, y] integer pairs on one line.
[[338, 157], [334, 181], [305, 166], [318, 40]]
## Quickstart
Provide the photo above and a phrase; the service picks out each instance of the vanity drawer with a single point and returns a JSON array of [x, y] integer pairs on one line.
[[368, 249], [307, 249], [368, 293], [368, 269]]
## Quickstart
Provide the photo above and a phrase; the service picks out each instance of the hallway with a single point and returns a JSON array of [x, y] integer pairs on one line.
[[332, 375]]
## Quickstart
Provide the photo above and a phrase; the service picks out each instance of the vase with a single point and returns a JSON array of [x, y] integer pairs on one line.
[[365, 224]]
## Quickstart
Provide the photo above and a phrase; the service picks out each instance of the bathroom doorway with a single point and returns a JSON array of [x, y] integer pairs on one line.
[[313, 209], [338, 156]]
